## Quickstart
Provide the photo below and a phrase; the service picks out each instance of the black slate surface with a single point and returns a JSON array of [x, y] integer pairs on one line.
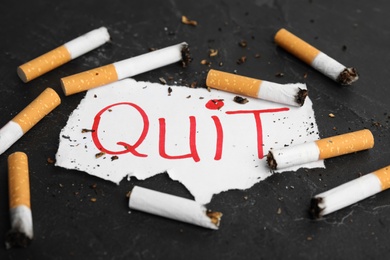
[[268, 221]]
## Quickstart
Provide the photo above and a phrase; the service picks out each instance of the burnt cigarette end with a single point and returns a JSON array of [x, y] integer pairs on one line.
[[271, 161], [301, 96], [214, 216], [315, 210], [348, 76], [16, 238], [185, 56]]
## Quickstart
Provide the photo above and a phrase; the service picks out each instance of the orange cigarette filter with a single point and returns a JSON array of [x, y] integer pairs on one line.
[[18, 180], [233, 83], [296, 46], [37, 109], [384, 177], [345, 144], [89, 79]]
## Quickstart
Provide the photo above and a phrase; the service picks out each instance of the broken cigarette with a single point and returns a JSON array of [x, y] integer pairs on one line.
[[289, 94], [21, 232], [27, 118], [173, 207], [350, 192], [63, 54], [320, 149], [126, 68], [315, 58]]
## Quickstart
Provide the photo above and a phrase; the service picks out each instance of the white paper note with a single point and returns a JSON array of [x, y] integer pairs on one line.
[[202, 139]]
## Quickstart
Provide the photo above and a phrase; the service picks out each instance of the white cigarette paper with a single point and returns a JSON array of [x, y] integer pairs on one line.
[[350, 192], [173, 207]]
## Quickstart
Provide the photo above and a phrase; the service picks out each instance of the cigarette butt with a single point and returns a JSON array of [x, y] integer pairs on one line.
[[315, 58], [320, 149], [173, 207], [350, 192], [63, 54], [124, 69], [21, 232], [289, 94], [28, 117]]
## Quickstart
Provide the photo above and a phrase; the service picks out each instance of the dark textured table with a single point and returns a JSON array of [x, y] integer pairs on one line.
[[269, 220]]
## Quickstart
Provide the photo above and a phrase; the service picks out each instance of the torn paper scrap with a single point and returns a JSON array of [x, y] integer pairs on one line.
[[202, 139], [173, 207]]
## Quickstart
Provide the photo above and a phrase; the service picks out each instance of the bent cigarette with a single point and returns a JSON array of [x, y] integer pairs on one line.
[[315, 58], [350, 192], [21, 232], [63, 54], [173, 207], [320, 149], [126, 68], [27, 118], [289, 94]]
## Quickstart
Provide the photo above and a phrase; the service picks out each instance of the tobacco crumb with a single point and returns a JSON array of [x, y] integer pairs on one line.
[[84, 130], [220, 64], [205, 62], [240, 100], [243, 43], [201, 97], [279, 211], [331, 115], [305, 75], [115, 157], [344, 47], [241, 60], [300, 98], [334, 128], [257, 55], [185, 56], [162, 80], [279, 74], [309, 238], [50, 160], [213, 52], [95, 96], [170, 78], [93, 186], [128, 194], [185, 20], [169, 91], [98, 155], [189, 96], [348, 76], [93, 199], [271, 161], [245, 197], [214, 216], [193, 84]]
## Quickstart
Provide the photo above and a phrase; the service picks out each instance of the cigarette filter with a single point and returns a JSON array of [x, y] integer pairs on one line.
[[350, 192], [315, 58], [21, 232], [28, 117], [173, 207], [124, 69], [289, 94], [63, 54], [320, 149]]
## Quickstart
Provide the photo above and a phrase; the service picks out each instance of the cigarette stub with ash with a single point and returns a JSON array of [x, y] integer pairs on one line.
[[27, 118], [21, 232], [320, 149], [126, 68], [315, 58], [63, 54], [350, 192], [289, 94], [173, 207]]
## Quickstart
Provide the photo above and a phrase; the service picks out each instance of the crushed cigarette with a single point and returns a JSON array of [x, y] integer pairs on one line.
[[173, 207], [315, 58], [289, 94], [27, 118], [126, 68], [63, 54], [21, 232], [350, 192], [320, 149]]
